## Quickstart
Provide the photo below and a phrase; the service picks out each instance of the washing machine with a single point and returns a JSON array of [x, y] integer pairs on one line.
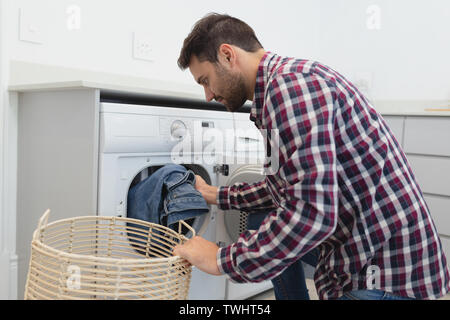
[[249, 157], [136, 140]]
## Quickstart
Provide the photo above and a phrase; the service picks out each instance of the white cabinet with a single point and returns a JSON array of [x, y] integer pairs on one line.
[[426, 143], [440, 210], [446, 246], [432, 173], [427, 135], [396, 124]]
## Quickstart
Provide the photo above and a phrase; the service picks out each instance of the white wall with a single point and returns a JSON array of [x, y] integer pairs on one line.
[[104, 41], [8, 258], [4, 261], [407, 59]]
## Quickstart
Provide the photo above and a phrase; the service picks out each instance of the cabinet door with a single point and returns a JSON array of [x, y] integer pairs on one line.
[[396, 123], [446, 246], [430, 135], [440, 211], [432, 173]]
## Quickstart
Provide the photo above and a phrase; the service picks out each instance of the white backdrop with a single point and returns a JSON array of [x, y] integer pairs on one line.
[[397, 49]]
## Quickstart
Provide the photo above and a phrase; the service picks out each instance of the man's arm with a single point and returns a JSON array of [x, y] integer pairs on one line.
[[309, 213], [208, 192], [240, 196], [301, 107]]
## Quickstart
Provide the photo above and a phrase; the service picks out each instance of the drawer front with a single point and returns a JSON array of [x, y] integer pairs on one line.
[[395, 123], [427, 135], [440, 211], [446, 246], [432, 173]]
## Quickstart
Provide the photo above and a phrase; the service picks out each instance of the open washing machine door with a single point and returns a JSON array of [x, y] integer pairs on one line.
[[199, 223], [236, 221], [134, 141], [203, 286], [231, 223]]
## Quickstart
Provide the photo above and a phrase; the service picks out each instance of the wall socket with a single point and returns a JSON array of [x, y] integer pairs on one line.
[[30, 26], [363, 80], [143, 46]]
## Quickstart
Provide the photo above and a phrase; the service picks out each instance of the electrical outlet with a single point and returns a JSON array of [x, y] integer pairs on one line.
[[73, 21], [143, 46], [363, 80], [30, 25]]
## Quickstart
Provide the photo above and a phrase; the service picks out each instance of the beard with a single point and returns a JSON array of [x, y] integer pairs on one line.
[[233, 87]]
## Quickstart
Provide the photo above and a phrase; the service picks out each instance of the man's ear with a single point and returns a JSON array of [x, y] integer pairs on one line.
[[227, 54]]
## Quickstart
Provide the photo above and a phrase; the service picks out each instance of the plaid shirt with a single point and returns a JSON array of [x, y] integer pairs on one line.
[[343, 186]]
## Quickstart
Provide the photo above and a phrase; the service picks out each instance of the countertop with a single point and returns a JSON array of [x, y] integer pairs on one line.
[[413, 107], [26, 76]]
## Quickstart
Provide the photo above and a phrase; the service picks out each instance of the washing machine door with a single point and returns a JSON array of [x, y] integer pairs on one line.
[[235, 222], [201, 223], [232, 223]]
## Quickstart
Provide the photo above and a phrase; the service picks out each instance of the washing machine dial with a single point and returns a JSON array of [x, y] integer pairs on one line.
[[178, 129]]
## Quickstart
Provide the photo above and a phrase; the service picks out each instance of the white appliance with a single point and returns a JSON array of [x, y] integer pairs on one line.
[[136, 140], [249, 157]]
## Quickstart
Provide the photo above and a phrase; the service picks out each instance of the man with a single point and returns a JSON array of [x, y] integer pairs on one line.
[[344, 186]]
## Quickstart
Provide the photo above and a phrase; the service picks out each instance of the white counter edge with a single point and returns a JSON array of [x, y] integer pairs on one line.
[[27, 76]]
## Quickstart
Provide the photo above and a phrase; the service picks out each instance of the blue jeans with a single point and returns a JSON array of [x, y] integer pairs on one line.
[[371, 295], [291, 283], [165, 197]]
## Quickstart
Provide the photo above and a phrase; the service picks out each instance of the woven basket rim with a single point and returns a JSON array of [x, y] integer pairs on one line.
[[118, 261]]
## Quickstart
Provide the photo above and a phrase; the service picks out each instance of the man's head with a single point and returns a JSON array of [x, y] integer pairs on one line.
[[218, 53]]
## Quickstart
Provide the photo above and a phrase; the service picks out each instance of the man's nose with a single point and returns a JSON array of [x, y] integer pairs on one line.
[[209, 95]]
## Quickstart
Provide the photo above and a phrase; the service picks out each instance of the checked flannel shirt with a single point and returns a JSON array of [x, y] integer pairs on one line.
[[343, 186]]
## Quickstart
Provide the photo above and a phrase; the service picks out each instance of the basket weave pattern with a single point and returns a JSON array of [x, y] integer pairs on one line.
[[93, 257]]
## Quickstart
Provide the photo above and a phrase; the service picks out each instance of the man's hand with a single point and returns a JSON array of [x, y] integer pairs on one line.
[[200, 253], [208, 192]]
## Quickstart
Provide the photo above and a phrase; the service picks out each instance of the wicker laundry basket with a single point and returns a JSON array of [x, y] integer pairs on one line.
[[93, 257]]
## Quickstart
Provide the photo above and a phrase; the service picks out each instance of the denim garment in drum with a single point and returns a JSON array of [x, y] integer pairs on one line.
[[167, 196]]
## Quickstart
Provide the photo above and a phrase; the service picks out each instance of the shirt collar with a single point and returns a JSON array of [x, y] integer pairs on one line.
[[265, 69]]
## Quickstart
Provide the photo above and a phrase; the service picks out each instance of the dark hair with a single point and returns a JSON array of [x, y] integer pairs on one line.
[[213, 30]]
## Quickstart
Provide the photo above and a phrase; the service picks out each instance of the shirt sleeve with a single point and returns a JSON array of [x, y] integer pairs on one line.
[[245, 197], [301, 107]]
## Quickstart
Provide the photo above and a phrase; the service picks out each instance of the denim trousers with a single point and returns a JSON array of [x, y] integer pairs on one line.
[[165, 197], [371, 295], [291, 283]]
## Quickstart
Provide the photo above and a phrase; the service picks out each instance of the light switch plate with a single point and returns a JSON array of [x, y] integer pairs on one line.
[[30, 26], [363, 80], [143, 46]]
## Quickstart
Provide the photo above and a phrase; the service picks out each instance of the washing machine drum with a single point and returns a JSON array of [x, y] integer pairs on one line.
[[198, 223], [236, 222]]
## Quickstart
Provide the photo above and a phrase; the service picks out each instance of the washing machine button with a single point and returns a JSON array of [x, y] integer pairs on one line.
[[119, 209], [124, 175], [221, 244], [178, 129]]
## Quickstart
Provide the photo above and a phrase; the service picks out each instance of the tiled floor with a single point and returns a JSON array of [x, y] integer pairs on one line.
[[268, 295]]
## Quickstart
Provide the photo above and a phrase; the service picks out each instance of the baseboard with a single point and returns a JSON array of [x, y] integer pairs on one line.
[[8, 276]]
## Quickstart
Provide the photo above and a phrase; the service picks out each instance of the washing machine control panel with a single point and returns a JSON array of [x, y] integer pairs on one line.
[[146, 129], [178, 130]]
